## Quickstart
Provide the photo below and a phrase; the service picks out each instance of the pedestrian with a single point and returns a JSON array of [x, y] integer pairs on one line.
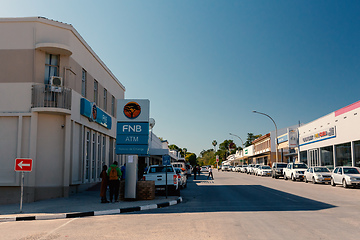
[[123, 168], [195, 171], [104, 183], [210, 173], [198, 169], [114, 174]]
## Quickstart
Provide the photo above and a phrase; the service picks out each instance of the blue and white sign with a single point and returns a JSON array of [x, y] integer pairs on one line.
[[94, 114], [132, 129], [166, 160]]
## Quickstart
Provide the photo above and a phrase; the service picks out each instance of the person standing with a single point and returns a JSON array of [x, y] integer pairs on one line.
[[114, 174], [195, 171], [123, 169], [104, 183], [210, 173]]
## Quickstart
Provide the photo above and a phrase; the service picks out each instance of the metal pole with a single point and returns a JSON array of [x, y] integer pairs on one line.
[[276, 141], [22, 191]]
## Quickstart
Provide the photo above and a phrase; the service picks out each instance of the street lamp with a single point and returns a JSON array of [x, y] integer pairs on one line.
[[276, 141], [239, 138]]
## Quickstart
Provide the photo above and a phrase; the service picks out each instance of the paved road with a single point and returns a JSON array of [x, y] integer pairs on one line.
[[233, 206]]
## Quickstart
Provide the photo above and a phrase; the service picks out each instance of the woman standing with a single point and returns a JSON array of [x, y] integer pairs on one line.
[[104, 183]]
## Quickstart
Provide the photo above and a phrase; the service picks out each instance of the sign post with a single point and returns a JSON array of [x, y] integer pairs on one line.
[[22, 165], [166, 162], [217, 162]]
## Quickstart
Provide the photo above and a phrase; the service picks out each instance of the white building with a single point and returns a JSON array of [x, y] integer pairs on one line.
[[68, 137], [332, 140]]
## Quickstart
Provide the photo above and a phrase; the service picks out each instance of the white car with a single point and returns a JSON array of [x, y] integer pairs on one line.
[[181, 177], [243, 168], [237, 168], [250, 168], [317, 175], [254, 169], [263, 171], [295, 171], [204, 169], [224, 167], [347, 176]]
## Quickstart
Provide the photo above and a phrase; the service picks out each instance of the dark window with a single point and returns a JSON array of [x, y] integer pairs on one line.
[[327, 157], [51, 66], [357, 153], [343, 154], [303, 157]]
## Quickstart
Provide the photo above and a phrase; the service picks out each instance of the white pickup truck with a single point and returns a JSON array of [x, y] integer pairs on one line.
[[295, 171], [157, 173]]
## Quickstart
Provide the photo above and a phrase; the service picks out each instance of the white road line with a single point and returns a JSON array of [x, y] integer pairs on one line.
[[49, 233]]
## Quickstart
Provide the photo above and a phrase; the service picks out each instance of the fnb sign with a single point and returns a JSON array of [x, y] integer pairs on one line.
[[132, 138], [129, 128]]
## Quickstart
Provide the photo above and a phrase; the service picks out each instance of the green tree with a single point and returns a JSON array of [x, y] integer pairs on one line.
[[250, 138], [191, 158]]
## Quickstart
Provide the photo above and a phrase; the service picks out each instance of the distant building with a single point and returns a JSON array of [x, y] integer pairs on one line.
[[57, 106]]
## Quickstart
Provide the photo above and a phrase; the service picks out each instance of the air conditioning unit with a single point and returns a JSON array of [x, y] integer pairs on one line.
[[56, 83]]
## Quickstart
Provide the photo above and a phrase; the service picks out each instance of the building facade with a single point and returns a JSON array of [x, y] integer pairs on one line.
[[57, 106], [332, 140]]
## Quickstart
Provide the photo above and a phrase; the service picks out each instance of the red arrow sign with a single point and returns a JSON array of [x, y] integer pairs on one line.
[[23, 164]]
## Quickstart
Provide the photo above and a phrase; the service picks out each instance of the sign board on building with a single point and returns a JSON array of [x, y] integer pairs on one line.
[[23, 164], [317, 136], [292, 137], [132, 133], [94, 114]]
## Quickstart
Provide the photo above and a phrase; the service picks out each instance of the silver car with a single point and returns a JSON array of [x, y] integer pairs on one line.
[[317, 175], [263, 171], [346, 176]]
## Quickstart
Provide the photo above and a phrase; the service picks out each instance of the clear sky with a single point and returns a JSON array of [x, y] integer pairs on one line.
[[205, 65]]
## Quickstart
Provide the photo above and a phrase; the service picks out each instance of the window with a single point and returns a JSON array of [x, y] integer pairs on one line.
[[83, 83], [327, 158], [87, 156], [93, 161], [96, 92], [113, 106], [105, 99], [357, 153], [51, 66], [343, 154], [303, 157]]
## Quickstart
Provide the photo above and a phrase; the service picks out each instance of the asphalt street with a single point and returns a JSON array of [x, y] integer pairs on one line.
[[233, 206]]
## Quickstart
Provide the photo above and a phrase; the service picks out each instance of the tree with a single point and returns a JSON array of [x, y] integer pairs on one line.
[[250, 138], [191, 158]]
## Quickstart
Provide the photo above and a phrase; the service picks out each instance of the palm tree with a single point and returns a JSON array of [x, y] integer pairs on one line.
[[214, 143]]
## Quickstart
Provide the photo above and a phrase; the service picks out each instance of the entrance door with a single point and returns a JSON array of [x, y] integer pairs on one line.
[[314, 159]]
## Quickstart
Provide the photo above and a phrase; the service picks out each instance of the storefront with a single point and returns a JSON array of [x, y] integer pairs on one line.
[[262, 150], [333, 140]]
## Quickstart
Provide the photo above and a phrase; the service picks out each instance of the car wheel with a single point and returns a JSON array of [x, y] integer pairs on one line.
[[332, 183], [305, 179], [344, 183], [285, 178], [313, 180], [293, 178]]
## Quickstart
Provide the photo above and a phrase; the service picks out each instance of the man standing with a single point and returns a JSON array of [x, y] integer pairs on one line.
[[114, 174], [194, 171], [210, 173]]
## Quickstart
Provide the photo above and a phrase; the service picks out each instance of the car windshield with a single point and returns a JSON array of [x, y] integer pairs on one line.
[[266, 167], [281, 165], [351, 171], [245, 166], [300, 165], [321, 169], [158, 169]]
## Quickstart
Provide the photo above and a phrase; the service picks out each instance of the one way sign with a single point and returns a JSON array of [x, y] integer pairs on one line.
[[23, 164]]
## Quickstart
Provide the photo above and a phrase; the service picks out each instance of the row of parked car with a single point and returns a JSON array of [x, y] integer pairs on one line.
[[341, 175]]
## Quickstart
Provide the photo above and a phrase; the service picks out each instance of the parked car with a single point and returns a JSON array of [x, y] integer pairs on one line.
[[204, 169], [224, 167], [243, 168], [277, 169], [181, 177], [254, 169], [250, 168], [230, 168], [158, 173], [237, 168], [263, 170], [317, 175], [295, 171], [347, 176]]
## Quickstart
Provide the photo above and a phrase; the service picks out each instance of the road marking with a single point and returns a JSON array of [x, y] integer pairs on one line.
[[49, 233]]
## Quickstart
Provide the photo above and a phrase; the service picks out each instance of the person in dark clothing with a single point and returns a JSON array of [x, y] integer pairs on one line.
[[195, 171], [104, 183], [123, 169], [114, 174], [198, 168]]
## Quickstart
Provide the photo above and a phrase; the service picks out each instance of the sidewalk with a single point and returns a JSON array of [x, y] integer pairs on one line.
[[82, 204]]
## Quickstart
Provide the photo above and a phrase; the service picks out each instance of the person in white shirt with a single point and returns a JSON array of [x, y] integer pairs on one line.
[[210, 173]]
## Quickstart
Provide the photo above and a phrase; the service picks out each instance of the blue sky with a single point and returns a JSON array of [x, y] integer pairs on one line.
[[205, 65]]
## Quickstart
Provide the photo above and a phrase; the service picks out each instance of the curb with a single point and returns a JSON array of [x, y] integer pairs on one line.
[[92, 213]]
